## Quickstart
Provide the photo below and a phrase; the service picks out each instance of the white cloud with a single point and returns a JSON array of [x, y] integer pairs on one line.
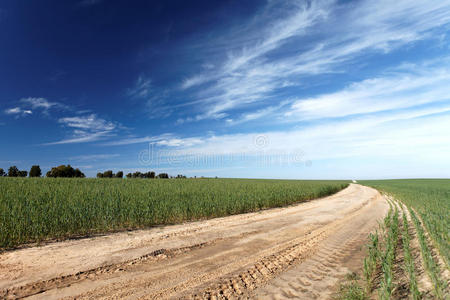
[[89, 122], [139, 140], [14, 110], [85, 129], [179, 142], [317, 38], [94, 157], [407, 135], [194, 81], [393, 91], [28, 105], [258, 114], [39, 103], [82, 137], [167, 140], [42, 104], [18, 111]]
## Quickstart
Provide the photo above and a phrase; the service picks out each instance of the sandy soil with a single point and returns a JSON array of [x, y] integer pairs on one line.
[[300, 251]]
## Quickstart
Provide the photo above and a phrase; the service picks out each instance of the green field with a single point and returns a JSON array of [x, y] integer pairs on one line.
[[427, 200], [36, 209]]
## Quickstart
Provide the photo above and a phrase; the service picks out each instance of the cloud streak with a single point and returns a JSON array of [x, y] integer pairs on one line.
[[41, 103], [141, 88], [84, 129], [406, 135], [337, 34], [94, 157], [18, 112], [391, 92]]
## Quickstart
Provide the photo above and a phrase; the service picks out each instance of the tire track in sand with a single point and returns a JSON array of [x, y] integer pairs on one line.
[[337, 255]]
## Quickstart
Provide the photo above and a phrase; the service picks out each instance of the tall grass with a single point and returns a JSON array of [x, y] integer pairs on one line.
[[35, 209]]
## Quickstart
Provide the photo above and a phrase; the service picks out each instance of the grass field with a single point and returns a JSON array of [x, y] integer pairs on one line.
[[430, 198], [36, 209]]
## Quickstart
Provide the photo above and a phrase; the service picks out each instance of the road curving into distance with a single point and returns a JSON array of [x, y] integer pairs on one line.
[[297, 251]]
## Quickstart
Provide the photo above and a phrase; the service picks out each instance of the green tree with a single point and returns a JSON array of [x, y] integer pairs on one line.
[[65, 171], [23, 173], [2, 172], [35, 171], [138, 174], [119, 174], [78, 173], [108, 174], [13, 171], [99, 175], [129, 175]]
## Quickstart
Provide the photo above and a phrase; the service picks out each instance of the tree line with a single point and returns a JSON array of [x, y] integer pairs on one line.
[[35, 171], [137, 174], [69, 172]]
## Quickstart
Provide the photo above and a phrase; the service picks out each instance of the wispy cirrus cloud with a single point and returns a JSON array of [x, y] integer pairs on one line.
[[415, 86], [43, 104], [94, 157], [154, 100], [403, 112], [89, 122], [139, 140], [411, 134], [194, 81], [87, 128], [310, 39], [258, 114], [18, 112], [84, 127], [32, 104], [81, 137], [141, 89], [167, 139], [38, 103]]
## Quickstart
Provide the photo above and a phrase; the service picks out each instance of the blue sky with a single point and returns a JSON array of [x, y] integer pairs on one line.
[[261, 89]]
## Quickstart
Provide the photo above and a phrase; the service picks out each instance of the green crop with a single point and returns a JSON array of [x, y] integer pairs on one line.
[[430, 264], [36, 209], [388, 257], [409, 260], [370, 262], [430, 198]]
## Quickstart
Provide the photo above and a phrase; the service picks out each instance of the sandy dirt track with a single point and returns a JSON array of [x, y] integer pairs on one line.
[[299, 251]]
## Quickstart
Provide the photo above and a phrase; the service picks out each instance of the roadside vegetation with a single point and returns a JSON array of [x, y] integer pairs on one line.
[[390, 269], [37, 209]]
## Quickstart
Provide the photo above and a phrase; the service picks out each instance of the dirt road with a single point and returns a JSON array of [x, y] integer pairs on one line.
[[298, 251]]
